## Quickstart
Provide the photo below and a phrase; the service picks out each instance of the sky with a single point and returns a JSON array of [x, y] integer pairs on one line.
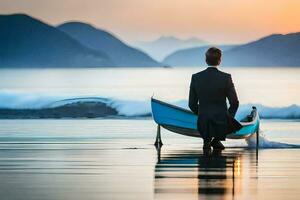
[[215, 21]]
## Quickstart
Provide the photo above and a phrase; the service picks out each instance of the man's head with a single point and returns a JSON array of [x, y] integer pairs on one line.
[[213, 56]]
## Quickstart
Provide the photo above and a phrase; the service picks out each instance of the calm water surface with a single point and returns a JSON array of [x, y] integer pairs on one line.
[[268, 86], [116, 159]]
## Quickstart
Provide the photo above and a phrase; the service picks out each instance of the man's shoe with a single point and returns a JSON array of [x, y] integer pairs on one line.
[[216, 144]]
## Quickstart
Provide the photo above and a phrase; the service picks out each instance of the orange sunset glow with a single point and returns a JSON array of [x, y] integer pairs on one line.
[[217, 21]]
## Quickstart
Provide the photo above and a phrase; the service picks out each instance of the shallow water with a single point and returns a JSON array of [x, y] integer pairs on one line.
[[116, 159]]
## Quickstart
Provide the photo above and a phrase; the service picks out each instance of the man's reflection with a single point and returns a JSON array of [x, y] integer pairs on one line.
[[196, 173]]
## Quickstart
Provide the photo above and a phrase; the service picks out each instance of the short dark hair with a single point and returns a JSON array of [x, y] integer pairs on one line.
[[213, 56]]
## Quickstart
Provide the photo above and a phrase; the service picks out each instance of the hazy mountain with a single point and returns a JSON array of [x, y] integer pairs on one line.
[[273, 50], [191, 56], [28, 42], [164, 46], [100, 40]]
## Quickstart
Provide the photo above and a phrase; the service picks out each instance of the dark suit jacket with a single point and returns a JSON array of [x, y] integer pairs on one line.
[[207, 99]]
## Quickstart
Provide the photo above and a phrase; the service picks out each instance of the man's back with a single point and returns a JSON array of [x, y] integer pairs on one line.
[[209, 89], [207, 99], [210, 85]]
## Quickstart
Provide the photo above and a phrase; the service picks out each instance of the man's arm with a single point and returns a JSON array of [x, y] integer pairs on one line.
[[193, 99], [232, 97]]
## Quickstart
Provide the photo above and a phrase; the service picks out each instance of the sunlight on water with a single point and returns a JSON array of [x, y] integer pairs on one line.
[[116, 159]]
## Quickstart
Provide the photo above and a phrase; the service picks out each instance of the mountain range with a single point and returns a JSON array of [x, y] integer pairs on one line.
[[28, 42], [103, 41], [191, 56], [166, 45], [273, 50]]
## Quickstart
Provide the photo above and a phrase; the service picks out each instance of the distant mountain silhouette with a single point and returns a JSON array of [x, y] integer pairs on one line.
[[273, 50], [164, 46], [100, 40], [28, 42], [191, 57]]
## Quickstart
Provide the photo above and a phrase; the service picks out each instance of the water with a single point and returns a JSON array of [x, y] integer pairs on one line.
[[267, 86], [128, 90], [115, 158]]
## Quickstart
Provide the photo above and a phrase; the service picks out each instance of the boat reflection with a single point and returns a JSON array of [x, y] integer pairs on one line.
[[197, 175]]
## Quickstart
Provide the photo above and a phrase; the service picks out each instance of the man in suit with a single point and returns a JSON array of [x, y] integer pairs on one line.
[[209, 90]]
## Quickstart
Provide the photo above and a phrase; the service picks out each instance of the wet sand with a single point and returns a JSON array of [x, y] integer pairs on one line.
[[42, 159]]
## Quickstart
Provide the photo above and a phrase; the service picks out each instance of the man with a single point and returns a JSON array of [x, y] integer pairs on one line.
[[207, 99]]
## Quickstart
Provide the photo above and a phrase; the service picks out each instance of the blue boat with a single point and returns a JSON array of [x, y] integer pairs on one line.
[[183, 121]]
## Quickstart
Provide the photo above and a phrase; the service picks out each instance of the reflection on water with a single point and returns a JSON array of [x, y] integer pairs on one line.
[[116, 159], [195, 174]]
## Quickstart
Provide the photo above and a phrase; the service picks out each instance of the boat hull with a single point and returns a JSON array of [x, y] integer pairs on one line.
[[182, 121]]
